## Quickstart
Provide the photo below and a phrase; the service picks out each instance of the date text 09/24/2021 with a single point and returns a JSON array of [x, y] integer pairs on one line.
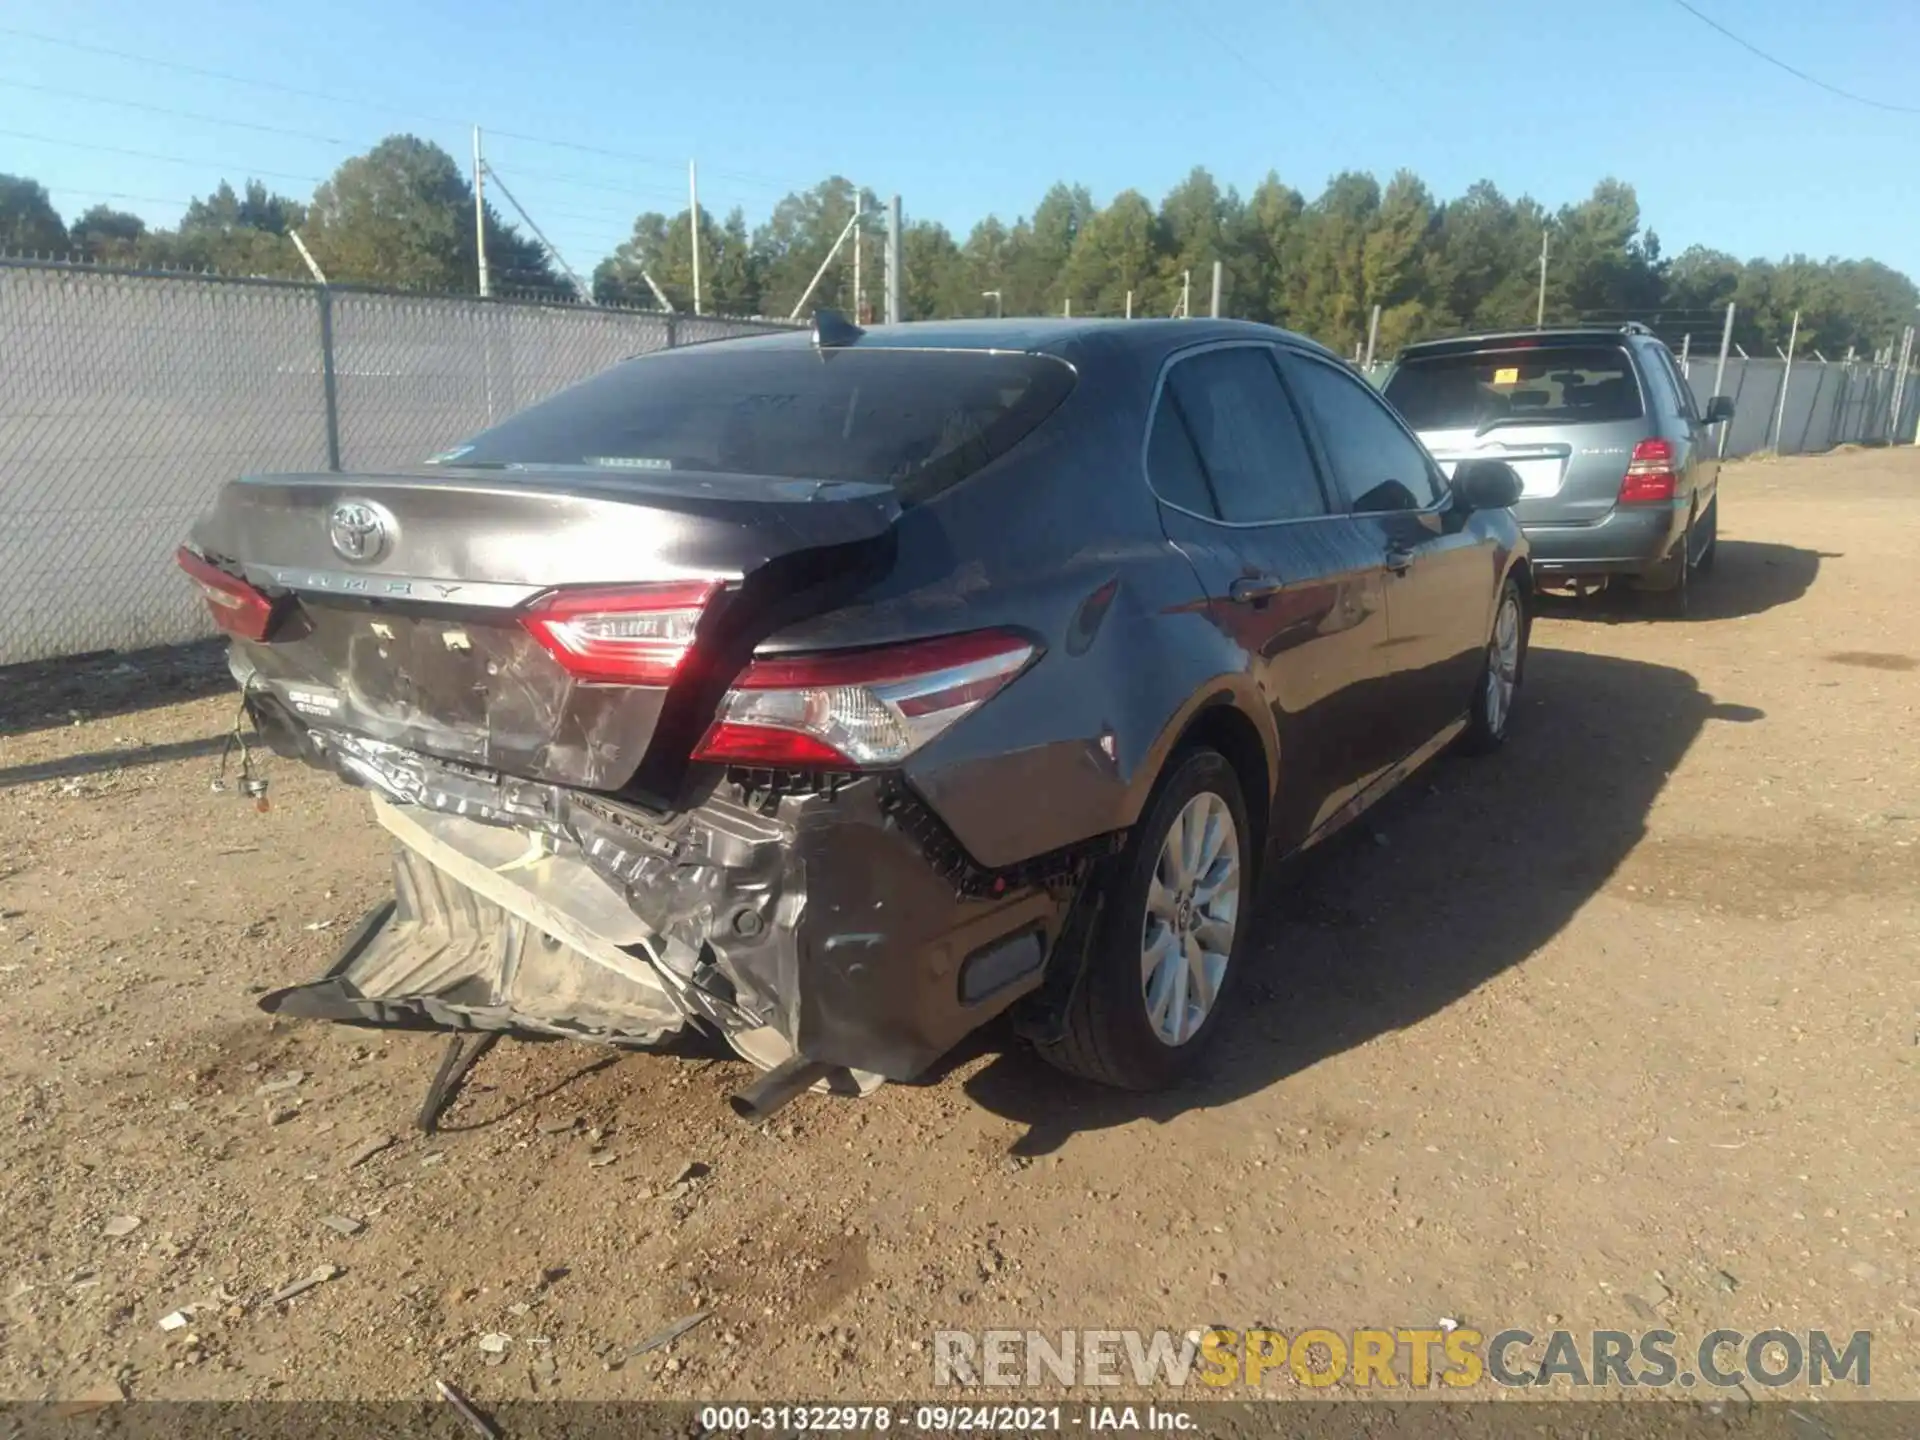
[[787, 1419]]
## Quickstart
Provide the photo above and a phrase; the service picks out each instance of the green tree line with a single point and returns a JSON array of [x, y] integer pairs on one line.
[[402, 215]]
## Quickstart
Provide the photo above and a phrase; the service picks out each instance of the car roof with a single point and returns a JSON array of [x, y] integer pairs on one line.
[[1063, 337], [1550, 337]]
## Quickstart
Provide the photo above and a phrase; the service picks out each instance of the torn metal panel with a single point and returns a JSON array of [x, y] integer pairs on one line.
[[507, 927], [470, 946]]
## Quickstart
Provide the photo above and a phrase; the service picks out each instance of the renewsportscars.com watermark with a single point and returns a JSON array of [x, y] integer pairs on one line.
[[1399, 1359]]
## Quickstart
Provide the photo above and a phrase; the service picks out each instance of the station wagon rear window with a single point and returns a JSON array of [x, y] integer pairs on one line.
[[1487, 389], [918, 420]]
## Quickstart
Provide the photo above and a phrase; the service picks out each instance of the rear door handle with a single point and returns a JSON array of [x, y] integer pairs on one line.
[[1252, 589], [1399, 559]]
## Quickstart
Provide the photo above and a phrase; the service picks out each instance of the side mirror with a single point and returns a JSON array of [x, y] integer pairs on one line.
[[1487, 485], [1719, 410]]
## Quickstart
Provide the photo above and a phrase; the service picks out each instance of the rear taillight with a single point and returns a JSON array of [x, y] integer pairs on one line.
[[237, 607], [860, 709], [621, 635], [1649, 478]]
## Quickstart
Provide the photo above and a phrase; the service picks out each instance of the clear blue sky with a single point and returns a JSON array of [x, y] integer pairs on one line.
[[972, 106]]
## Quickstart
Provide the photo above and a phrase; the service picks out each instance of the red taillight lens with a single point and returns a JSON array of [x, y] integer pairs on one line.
[[862, 708], [1649, 478], [621, 635], [237, 607]]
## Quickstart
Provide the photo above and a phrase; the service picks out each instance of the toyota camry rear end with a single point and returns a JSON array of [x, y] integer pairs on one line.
[[689, 697]]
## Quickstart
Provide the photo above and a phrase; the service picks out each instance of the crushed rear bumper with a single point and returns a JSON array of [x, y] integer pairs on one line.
[[832, 925]]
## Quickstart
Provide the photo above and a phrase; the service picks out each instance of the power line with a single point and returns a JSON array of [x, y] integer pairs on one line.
[[1797, 74], [163, 159], [204, 73], [253, 172], [118, 195], [177, 114], [744, 177], [738, 176]]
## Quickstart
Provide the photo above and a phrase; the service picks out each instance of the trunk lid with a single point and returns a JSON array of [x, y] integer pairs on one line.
[[1569, 475], [403, 597]]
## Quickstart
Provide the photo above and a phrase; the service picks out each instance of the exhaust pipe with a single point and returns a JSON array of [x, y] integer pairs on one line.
[[777, 1087]]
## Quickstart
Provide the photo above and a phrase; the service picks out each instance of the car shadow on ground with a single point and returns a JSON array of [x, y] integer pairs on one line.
[[1748, 578], [1465, 872], [45, 694], [99, 762]]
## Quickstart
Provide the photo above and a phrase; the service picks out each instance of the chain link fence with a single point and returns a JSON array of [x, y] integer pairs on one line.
[[127, 399]]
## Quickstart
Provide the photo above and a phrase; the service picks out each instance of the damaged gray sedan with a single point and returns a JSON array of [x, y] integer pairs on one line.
[[836, 692]]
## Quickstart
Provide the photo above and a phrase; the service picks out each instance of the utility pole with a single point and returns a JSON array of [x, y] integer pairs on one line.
[[1540, 310], [1129, 305], [693, 215], [993, 295], [1373, 334], [859, 207], [1186, 294], [893, 261], [480, 214], [1219, 275]]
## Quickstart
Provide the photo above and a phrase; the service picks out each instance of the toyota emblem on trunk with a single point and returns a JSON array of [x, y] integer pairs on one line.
[[359, 529]]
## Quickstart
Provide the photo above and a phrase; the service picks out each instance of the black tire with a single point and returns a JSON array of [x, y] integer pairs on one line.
[[1485, 733], [1668, 594], [1109, 1036], [1710, 525]]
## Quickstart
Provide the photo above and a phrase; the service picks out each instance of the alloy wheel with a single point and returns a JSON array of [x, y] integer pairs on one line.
[[1503, 664], [1193, 910]]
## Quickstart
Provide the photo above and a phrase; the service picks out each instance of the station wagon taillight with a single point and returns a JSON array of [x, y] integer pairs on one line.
[[621, 634], [860, 709], [1649, 478], [236, 606]]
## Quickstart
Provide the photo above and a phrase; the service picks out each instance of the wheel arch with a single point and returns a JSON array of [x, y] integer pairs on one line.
[[1219, 722]]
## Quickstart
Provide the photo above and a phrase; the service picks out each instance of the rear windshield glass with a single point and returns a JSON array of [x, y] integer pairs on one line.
[[918, 420], [1488, 389]]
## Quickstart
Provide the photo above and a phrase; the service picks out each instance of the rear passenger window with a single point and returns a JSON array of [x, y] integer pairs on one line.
[[1664, 384], [1172, 465], [1683, 392], [1242, 441], [1378, 465]]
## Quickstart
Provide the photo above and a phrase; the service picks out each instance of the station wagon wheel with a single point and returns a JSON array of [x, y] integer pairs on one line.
[[1672, 601], [1710, 523], [1161, 968], [1493, 700]]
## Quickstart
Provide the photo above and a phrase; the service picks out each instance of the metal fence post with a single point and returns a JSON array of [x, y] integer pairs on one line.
[[1720, 374], [1786, 379], [1899, 386], [1813, 405], [329, 384]]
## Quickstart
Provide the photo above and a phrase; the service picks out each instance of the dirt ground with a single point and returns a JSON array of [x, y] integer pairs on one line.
[[1615, 1028]]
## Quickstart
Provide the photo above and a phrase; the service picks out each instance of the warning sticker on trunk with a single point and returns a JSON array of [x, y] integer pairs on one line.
[[322, 704]]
